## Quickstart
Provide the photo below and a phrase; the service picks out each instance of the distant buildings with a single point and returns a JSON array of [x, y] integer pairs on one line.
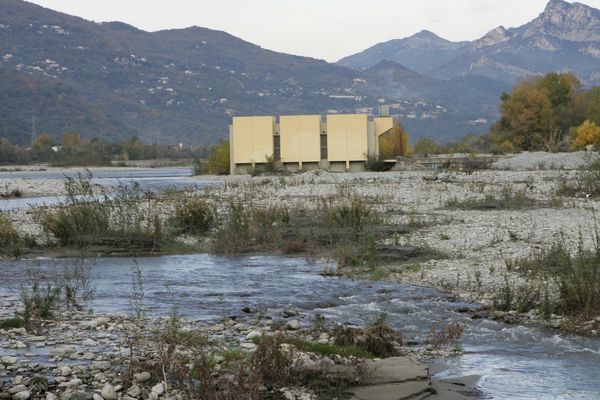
[[341, 142]]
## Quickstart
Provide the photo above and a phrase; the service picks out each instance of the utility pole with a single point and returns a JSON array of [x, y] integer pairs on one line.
[[32, 129]]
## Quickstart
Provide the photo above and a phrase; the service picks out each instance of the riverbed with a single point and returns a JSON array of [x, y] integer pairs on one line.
[[513, 362]]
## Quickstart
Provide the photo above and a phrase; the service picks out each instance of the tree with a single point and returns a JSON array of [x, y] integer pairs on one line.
[[586, 134], [219, 159], [42, 147], [394, 142], [426, 146], [593, 106]]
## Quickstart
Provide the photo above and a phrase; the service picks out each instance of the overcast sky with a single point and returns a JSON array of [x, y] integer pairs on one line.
[[328, 29]]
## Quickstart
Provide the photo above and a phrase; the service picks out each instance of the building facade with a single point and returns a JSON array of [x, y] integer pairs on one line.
[[336, 142]]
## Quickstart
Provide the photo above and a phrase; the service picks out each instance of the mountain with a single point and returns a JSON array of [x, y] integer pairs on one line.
[[113, 80], [421, 52], [564, 37]]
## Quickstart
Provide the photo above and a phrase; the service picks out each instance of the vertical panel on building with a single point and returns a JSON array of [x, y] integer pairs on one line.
[[252, 139], [300, 138], [347, 137]]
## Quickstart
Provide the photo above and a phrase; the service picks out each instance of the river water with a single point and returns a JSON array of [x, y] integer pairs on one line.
[[514, 362], [149, 179]]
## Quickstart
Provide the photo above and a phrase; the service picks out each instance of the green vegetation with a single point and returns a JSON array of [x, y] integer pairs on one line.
[[377, 338], [127, 220], [576, 276], [193, 215], [12, 323], [219, 159]]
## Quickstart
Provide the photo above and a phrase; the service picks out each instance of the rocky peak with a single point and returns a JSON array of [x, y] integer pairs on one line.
[[493, 37], [568, 21]]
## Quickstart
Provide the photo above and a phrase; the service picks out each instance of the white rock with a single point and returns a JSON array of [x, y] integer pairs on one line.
[[50, 396], [17, 389], [253, 334], [108, 393], [142, 377], [159, 389], [89, 343], [134, 391], [20, 345], [96, 396], [8, 360], [293, 325], [65, 371]]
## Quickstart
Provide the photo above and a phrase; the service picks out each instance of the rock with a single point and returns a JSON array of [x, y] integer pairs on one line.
[[134, 391], [96, 396], [108, 393], [89, 343], [16, 389], [50, 396], [498, 314], [158, 389], [253, 335], [249, 310], [142, 377], [293, 325], [20, 345], [19, 331], [248, 346], [8, 360], [101, 365], [24, 395], [290, 312], [65, 371]]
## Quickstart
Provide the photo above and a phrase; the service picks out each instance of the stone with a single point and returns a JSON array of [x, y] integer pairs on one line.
[[159, 389], [96, 396], [50, 396], [24, 395], [134, 391], [108, 393], [142, 377], [248, 346], [101, 365], [8, 360], [498, 314], [290, 312], [20, 345], [65, 371], [249, 310], [293, 325], [253, 335], [19, 331], [89, 343], [16, 389]]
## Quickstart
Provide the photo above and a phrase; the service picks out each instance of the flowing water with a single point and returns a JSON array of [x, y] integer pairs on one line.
[[514, 362]]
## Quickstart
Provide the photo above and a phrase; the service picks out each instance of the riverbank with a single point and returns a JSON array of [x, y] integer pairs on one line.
[[441, 231]]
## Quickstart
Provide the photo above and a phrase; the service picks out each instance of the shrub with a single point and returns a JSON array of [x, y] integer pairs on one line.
[[8, 233], [355, 213], [194, 215], [441, 335], [12, 323], [128, 219], [378, 338]]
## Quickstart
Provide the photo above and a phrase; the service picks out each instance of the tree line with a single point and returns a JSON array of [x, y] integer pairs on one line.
[[72, 149]]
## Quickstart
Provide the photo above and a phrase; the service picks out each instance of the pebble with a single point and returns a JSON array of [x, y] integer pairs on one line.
[[24, 395], [142, 377], [159, 389], [293, 325], [253, 335]]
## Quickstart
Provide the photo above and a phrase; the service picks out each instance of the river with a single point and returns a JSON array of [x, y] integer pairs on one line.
[[514, 362]]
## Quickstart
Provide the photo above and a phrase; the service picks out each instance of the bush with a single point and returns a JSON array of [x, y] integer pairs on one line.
[[194, 215], [12, 323]]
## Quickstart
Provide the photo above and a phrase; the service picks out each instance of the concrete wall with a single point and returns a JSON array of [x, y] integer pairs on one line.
[[300, 138], [347, 138], [252, 139]]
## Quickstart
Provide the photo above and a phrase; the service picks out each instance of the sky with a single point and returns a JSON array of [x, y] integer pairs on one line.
[[327, 29]]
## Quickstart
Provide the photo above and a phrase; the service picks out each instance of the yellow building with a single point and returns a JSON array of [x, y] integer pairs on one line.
[[338, 142]]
